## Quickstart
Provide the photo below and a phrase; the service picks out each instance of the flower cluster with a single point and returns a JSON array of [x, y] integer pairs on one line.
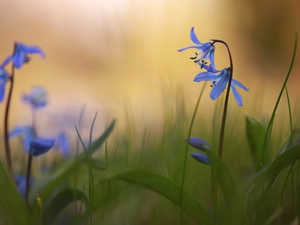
[[219, 78], [201, 145]]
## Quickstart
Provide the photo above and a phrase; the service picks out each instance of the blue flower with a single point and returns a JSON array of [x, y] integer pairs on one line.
[[37, 98], [200, 157], [4, 77], [40, 146], [219, 81], [201, 145], [22, 52], [206, 50], [198, 143], [31, 142], [21, 184], [62, 143]]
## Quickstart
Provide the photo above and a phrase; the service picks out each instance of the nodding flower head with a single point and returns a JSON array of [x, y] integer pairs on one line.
[[37, 98], [4, 77], [198, 143], [205, 50], [200, 157], [22, 52], [219, 81]]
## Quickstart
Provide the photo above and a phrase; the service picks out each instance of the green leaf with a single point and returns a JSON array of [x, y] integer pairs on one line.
[[52, 179], [162, 186], [60, 201], [224, 176], [255, 133], [270, 172], [11, 200]]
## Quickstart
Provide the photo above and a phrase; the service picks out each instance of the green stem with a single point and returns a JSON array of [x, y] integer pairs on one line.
[[186, 151], [268, 133]]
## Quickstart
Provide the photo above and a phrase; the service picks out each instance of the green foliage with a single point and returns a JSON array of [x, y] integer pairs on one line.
[[256, 132], [11, 201]]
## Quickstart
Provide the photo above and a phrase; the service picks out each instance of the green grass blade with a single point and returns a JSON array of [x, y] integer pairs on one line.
[[11, 200], [281, 162], [50, 180], [60, 201], [162, 186], [255, 134], [269, 128]]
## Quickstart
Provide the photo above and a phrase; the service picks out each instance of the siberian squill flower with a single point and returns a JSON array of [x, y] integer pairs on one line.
[[4, 77], [32, 144], [37, 98], [201, 145], [219, 79], [205, 50], [21, 184], [22, 52]]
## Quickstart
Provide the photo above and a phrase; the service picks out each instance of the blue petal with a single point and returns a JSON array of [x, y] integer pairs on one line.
[[206, 76], [221, 85], [6, 61], [236, 95], [17, 131], [198, 143], [62, 143], [2, 90], [239, 84], [18, 57], [194, 37], [40, 146], [200, 157], [33, 50], [194, 46]]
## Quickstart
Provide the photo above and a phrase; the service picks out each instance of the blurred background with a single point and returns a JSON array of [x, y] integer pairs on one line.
[[109, 55]]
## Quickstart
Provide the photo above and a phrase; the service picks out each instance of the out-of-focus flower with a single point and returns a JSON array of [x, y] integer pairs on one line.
[[21, 184], [4, 77], [37, 98], [31, 142], [201, 145], [62, 143], [200, 157], [219, 81], [205, 50], [22, 52], [40, 146], [198, 143]]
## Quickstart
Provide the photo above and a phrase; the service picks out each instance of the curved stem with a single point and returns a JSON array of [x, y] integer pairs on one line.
[[28, 175], [6, 118], [222, 132], [186, 151]]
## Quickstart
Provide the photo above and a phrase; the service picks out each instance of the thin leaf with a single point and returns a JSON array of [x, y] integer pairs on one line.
[[255, 134], [162, 186], [11, 200]]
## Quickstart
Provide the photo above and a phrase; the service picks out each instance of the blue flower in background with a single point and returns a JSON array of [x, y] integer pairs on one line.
[[201, 145], [37, 98], [4, 77], [22, 52], [21, 184], [206, 50], [31, 142], [62, 143], [219, 81], [40, 146]]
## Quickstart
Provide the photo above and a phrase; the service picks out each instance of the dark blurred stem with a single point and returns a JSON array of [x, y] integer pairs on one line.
[[186, 151], [6, 118], [222, 132], [28, 175]]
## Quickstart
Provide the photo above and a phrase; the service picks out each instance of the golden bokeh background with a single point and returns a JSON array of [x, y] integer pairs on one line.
[[104, 54]]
